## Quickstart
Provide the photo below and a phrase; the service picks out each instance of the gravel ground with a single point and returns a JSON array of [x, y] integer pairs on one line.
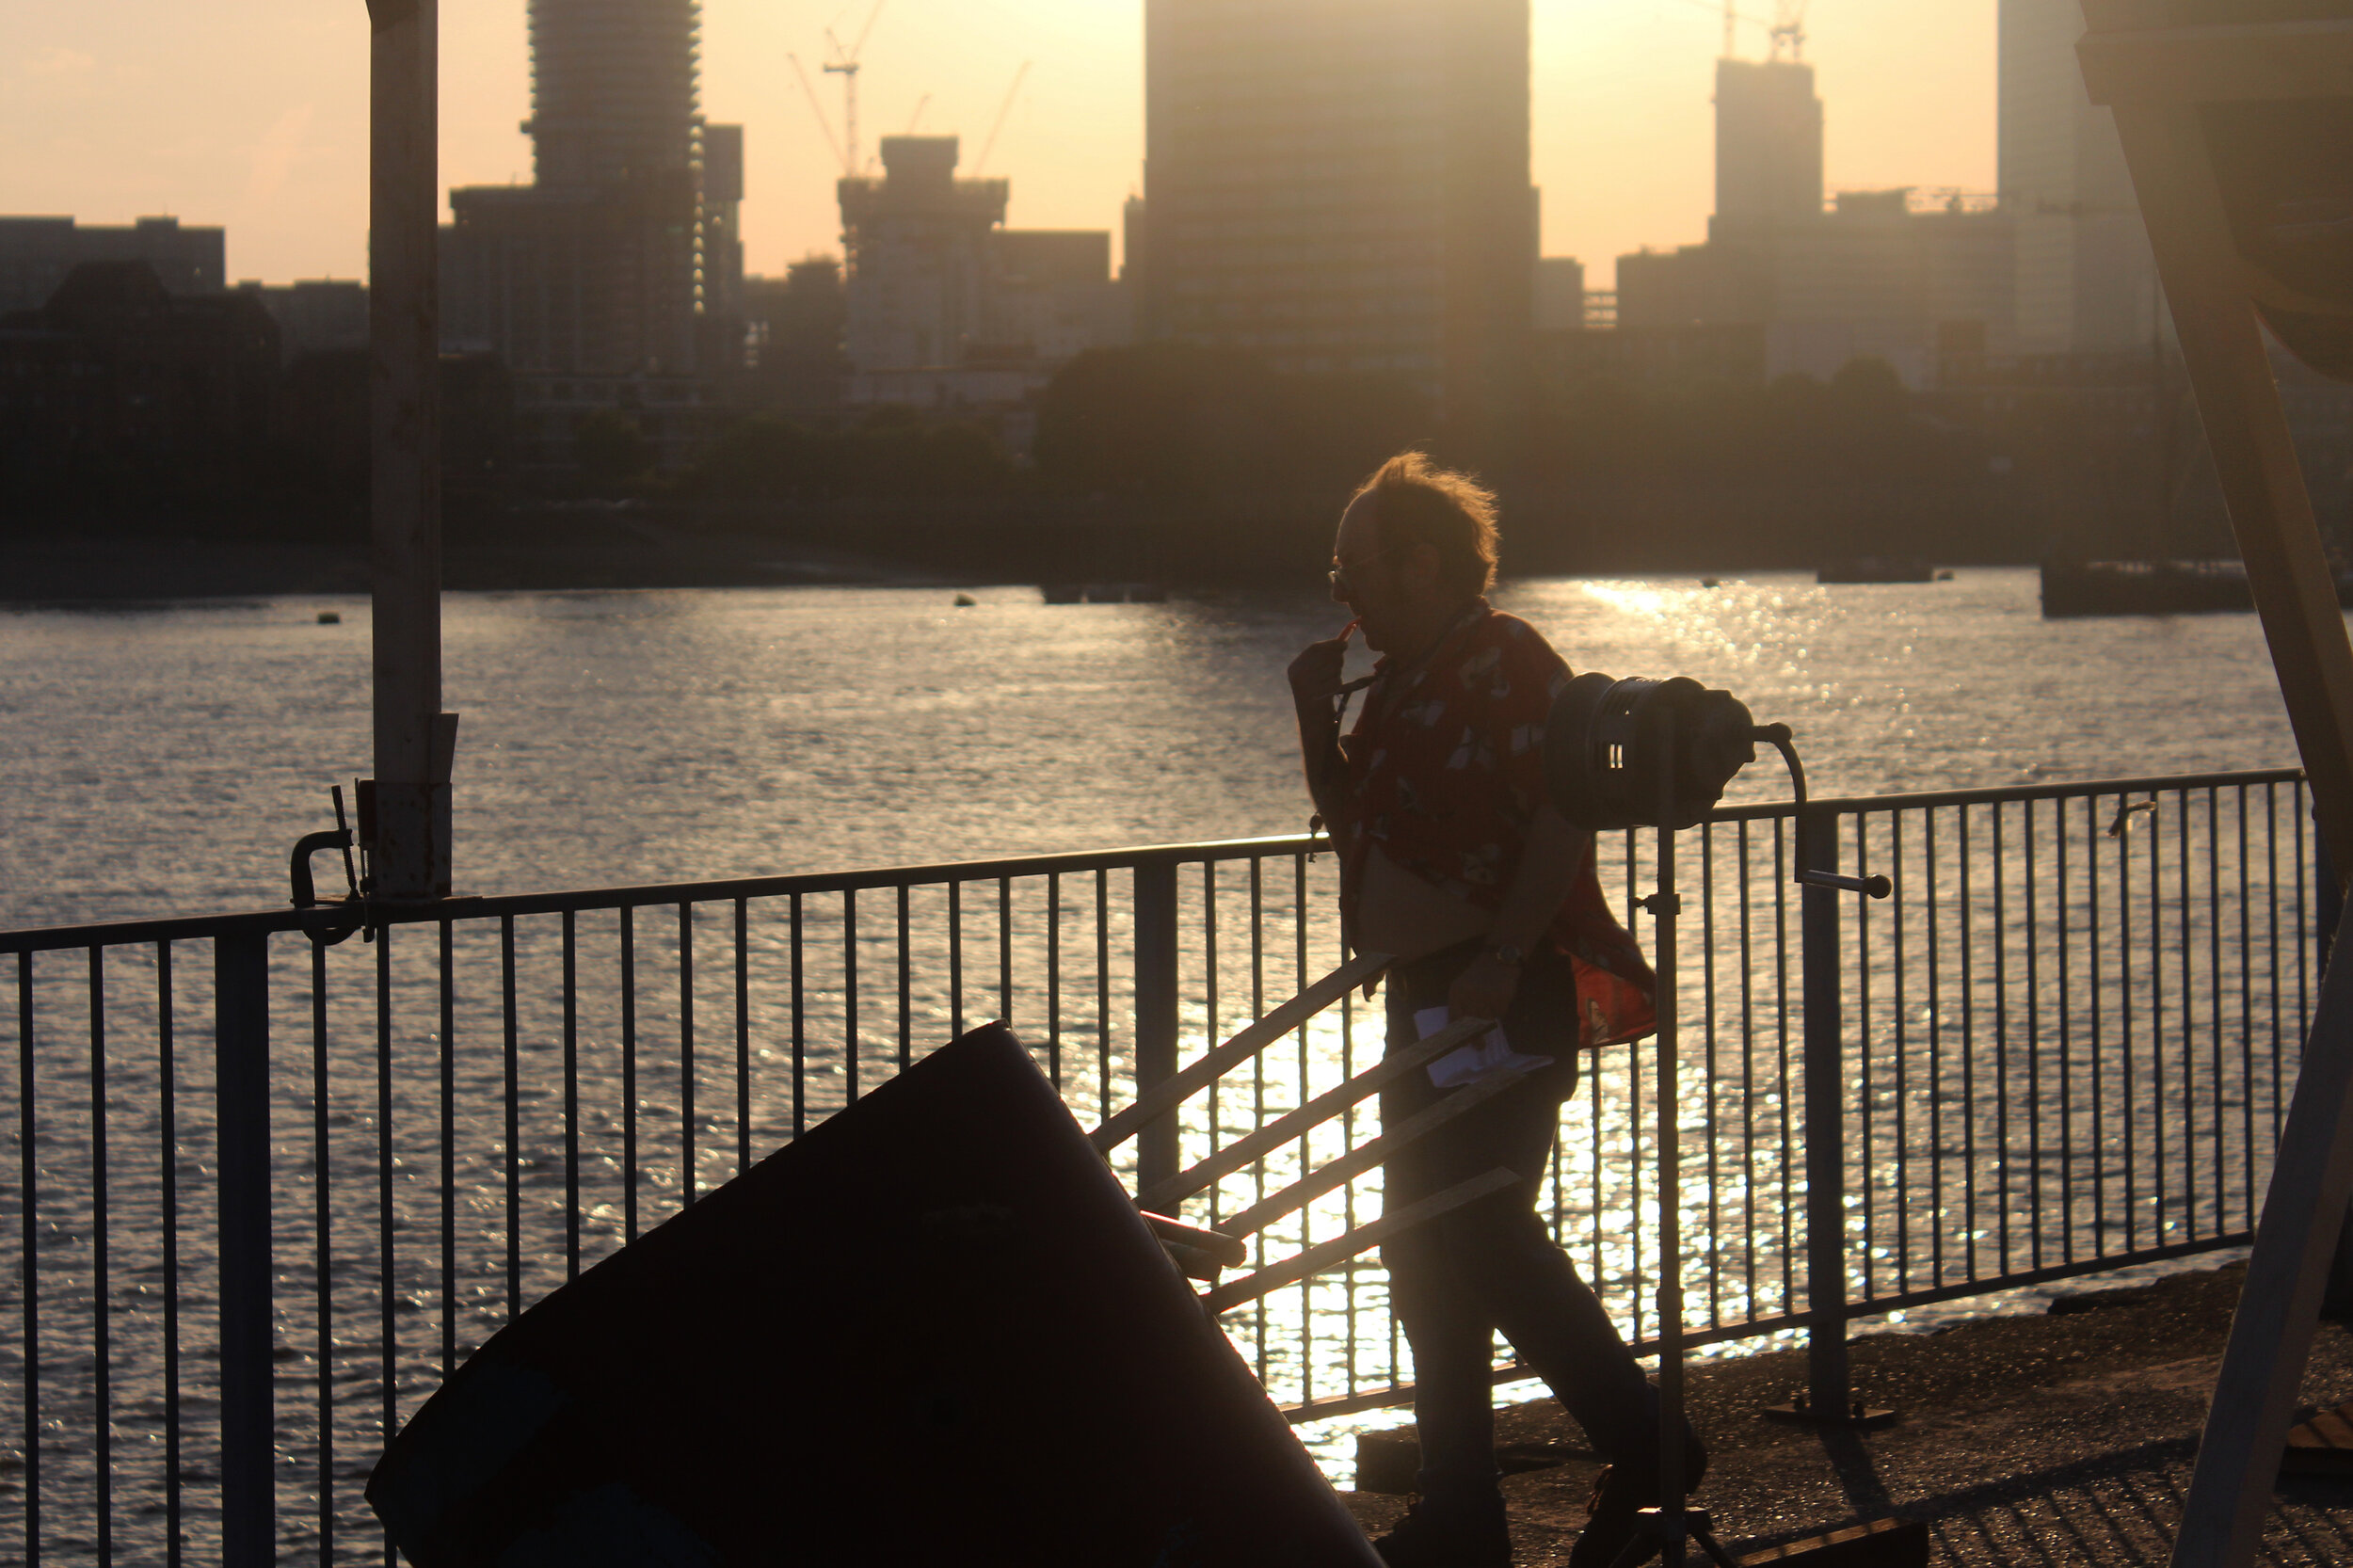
[[2027, 1440]]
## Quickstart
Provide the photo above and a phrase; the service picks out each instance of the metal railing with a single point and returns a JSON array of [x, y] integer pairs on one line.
[[262, 1205]]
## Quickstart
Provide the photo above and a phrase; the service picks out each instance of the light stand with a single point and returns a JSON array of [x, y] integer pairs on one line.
[[1623, 754]]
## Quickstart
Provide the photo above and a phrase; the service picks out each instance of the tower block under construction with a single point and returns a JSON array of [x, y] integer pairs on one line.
[[621, 258]]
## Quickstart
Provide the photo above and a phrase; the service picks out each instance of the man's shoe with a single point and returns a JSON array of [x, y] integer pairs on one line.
[[1450, 1534]]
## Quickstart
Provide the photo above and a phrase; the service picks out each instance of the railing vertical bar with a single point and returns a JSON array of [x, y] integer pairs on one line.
[[168, 1116], [1306, 1228], [1709, 1069], [323, 1250], [1212, 1026], [1936, 1049], [2246, 1019], [1639, 1160], [906, 977], [570, 942], [742, 1037], [449, 1147], [2096, 1053], [1053, 978], [1903, 1160], [28, 1223], [388, 1323], [1967, 939], [2303, 937], [800, 1024], [1103, 993], [511, 1063], [2214, 1002], [1261, 1351], [2034, 1040], [1783, 851], [849, 992], [2066, 1035], [688, 1181], [2128, 1087], [102, 1259], [629, 1072], [1004, 948], [1748, 1076], [2001, 1042], [2157, 1086], [955, 967]]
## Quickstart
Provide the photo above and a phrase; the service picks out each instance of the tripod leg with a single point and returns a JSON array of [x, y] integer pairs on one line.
[[1637, 1551], [1713, 1548]]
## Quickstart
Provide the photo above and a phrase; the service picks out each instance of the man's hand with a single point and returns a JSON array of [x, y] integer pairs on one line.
[[1485, 989], [1317, 674]]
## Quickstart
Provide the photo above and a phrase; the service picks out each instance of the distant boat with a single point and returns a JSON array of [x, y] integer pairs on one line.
[[2073, 588], [1876, 569]]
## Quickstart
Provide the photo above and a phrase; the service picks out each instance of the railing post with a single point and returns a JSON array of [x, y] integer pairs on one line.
[[1828, 1390], [249, 1505], [1155, 1015]]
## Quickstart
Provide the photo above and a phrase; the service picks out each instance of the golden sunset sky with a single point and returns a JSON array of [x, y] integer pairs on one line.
[[252, 114]]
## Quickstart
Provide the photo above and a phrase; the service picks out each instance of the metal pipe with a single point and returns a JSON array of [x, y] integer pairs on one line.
[[1827, 1377], [1664, 907], [413, 738]]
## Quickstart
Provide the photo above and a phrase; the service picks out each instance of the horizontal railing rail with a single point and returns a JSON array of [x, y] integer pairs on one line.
[[268, 1191]]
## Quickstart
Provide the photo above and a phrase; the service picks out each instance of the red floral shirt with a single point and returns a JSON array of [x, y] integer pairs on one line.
[[1445, 776]]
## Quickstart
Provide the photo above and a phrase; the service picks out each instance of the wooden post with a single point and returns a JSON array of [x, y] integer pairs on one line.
[[414, 739]]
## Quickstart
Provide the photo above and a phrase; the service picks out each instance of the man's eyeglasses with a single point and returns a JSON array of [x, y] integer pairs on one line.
[[1338, 574]]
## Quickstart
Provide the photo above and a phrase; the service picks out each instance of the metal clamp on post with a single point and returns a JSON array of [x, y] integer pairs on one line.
[[305, 889]]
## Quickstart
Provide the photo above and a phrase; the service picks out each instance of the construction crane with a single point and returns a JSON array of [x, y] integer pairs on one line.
[[844, 64], [824, 126], [1789, 30], [1733, 20], [1002, 110]]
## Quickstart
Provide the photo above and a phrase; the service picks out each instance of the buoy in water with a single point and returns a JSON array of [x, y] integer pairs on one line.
[[965, 601], [330, 617]]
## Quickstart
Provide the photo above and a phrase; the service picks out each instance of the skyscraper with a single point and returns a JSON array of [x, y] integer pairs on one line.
[[1342, 185], [2086, 283], [621, 257], [1769, 141], [614, 89]]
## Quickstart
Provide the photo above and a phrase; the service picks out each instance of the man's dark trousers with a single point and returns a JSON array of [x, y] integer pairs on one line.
[[1491, 1266]]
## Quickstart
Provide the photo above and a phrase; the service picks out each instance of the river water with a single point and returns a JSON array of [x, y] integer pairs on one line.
[[162, 758]]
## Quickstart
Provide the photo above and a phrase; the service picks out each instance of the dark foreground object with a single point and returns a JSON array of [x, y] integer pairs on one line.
[[932, 1330], [1881, 1543]]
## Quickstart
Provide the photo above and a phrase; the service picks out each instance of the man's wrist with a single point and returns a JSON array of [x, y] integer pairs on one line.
[[1509, 954]]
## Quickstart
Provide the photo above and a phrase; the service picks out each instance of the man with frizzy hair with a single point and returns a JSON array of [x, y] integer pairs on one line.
[[1453, 862]]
